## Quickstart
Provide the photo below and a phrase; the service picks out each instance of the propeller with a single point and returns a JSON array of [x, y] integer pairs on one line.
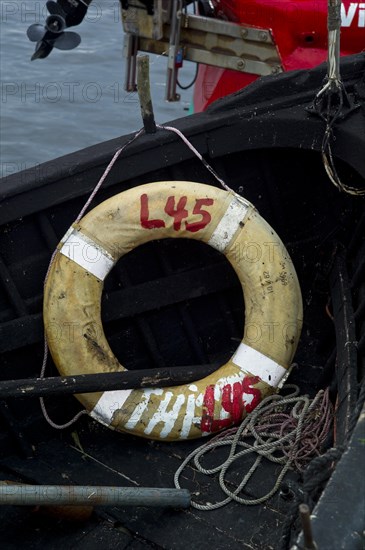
[[54, 8], [52, 34]]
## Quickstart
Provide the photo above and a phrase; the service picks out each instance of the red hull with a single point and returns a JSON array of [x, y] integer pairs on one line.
[[299, 29]]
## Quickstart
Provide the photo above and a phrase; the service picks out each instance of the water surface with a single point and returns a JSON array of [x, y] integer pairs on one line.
[[72, 99]]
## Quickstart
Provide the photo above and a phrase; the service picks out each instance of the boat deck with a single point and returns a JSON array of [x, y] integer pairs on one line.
[[90, 454], [108, 458]]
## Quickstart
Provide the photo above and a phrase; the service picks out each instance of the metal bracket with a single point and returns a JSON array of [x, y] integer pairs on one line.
[[181, 36]]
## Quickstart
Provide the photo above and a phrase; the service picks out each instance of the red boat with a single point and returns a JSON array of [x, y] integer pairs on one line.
[[299, 30], [232, 41]]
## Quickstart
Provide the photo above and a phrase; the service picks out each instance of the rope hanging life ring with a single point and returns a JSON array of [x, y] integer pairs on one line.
[[179, 209]]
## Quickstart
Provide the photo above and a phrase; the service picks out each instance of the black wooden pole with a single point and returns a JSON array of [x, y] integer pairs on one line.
[[88, 383]]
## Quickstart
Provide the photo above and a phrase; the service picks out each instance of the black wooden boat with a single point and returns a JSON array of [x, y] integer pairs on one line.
[[172, 303]]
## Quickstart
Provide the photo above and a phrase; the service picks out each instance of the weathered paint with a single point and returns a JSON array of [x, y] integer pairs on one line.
[[175, 207], [231, 225], [235, 399]]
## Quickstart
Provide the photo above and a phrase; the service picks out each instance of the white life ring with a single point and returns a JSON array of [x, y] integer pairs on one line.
[[273, 306]]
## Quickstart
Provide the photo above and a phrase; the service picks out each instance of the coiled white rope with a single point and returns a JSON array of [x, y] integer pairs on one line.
[[287, 430]]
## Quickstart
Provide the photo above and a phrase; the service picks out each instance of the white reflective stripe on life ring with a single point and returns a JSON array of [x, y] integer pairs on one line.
[[229, 224], [250, 360], [86, 253], [246, 358]]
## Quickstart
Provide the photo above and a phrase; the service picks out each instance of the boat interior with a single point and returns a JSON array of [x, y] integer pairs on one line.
[[178, 302]]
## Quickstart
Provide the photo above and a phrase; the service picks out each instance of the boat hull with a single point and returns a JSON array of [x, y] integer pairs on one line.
[[177, 302], [299, 30]]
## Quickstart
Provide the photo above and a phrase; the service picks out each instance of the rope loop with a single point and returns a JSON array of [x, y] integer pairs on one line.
[[288, 430], [329, 101]]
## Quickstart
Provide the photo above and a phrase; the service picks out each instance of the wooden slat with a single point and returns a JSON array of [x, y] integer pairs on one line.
[[131, 301]]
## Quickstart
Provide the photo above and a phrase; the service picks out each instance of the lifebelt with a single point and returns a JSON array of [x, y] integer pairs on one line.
[[273, 306]]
